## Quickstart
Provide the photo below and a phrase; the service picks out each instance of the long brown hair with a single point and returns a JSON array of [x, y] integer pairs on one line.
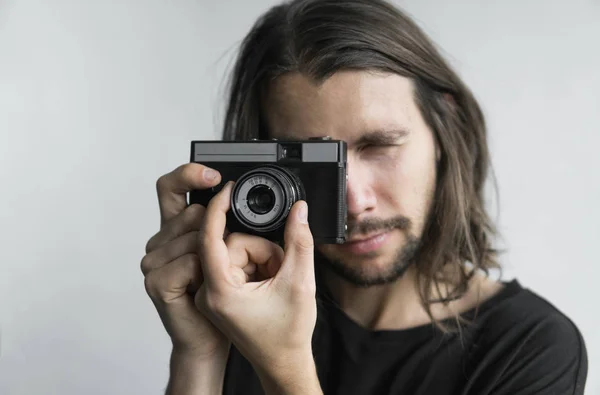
[[319, 38]]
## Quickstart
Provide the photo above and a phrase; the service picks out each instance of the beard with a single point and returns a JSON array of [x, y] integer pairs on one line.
[[403, 258]]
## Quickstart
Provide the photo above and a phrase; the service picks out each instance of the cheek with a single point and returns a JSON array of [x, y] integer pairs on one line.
[[404, 183]]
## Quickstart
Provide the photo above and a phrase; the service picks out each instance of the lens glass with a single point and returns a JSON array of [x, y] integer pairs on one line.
[[261, 199]]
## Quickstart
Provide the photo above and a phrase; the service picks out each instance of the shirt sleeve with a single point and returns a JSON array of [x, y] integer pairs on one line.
[[551, 358]]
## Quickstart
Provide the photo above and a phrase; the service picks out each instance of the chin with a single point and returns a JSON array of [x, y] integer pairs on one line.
[[383, 266]]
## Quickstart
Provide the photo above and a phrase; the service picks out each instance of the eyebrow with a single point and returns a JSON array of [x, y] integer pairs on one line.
[[382, 136], [374, 136]]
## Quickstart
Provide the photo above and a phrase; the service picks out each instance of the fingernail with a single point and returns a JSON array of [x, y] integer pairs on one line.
[[303, 213], [210, 174]]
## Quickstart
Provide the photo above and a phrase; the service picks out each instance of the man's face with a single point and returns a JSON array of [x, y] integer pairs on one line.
[[391, 163]]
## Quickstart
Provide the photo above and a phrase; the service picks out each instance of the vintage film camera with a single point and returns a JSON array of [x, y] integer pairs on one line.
[[270, 176]]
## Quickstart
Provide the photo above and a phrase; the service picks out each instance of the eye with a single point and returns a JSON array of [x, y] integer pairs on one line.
[[366, 147], [371, 147]]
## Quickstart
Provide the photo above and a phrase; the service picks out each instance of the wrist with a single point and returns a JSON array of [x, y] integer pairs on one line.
[[198, 355], [296, 374], [192, 373]]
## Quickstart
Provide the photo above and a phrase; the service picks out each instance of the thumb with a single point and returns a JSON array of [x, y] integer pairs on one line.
[[298, 261]]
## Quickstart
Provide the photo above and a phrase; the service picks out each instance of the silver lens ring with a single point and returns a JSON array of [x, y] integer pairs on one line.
[[263, 197]]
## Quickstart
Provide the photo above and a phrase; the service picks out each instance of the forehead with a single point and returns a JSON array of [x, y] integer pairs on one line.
[[344, 106]]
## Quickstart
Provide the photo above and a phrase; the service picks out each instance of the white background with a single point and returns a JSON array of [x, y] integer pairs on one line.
[[100, 98]]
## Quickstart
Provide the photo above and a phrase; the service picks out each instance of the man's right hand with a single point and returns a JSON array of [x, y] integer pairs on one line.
[[171, 266]]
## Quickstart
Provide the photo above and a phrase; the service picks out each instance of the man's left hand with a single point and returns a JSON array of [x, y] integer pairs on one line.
[[271, 321]]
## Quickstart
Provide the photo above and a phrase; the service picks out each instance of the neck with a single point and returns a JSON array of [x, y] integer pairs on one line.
[[389, 306], [397, 305]]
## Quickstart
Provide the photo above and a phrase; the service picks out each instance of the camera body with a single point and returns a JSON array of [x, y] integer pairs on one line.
[[270, 176]]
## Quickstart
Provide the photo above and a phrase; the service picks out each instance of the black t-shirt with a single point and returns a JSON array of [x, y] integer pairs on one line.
[[516, 344]]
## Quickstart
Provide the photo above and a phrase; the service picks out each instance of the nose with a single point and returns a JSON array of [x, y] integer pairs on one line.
[[360, 194]]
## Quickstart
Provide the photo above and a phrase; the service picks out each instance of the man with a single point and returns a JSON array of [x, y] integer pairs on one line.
[[405, 306]]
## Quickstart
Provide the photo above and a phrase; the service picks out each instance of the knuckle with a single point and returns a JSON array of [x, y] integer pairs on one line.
[[192, 267], [305, 245], [151, 244], [215, 304], [146, 264], [148, 248], [190, 170], [161, 183], [303, 288], [234, 240], [150, 286], [195, 210]]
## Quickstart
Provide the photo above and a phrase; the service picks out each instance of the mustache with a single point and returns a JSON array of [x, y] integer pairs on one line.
[[372, 225]]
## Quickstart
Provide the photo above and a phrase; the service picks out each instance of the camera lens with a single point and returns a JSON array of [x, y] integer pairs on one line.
[[261, 199]]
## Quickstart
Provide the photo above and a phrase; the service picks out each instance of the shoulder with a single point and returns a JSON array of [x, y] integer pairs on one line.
[[521, 313], [532, 344]]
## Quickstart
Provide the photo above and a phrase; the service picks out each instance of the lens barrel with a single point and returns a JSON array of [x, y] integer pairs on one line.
[[263, 197]]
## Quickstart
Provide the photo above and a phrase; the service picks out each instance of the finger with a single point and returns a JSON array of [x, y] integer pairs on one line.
[[247, 249], [185, 244], [250, 268], [212, 249], [270, 270], [173, 187], [298, 262], [250, 272], [172, 281], [187, 221]]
